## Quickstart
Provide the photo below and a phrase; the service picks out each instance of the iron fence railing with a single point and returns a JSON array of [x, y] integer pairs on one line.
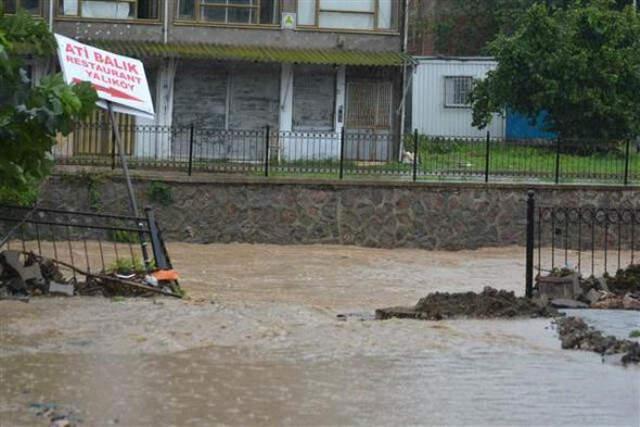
[[85, 241], [353, 154], [585, 239]]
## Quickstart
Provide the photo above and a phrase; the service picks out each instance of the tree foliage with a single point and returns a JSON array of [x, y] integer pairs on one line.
[[580, 64], [463, 27], [31, 115]]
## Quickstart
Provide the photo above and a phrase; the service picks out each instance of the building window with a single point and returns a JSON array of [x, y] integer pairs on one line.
[[369, 105], [110, 9], [230, 11], [33, 7], [457, 90], [354, 14], [314, 95]]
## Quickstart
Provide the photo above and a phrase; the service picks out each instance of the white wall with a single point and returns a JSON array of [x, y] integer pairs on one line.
[[429, 114]]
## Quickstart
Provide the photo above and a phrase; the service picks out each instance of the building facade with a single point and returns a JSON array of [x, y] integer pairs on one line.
[[306, 67]]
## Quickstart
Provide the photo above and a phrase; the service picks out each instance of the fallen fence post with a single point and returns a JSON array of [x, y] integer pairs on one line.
[[156, 242], [531, 206], [415, 155]]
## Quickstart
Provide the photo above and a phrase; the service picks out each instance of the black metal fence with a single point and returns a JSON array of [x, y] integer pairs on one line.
[[355, 154], [585, 239], [85, 241]]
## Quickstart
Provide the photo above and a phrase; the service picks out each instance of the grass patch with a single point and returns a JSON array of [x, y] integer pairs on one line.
[[161, 193], [126, 266], [123, 236]]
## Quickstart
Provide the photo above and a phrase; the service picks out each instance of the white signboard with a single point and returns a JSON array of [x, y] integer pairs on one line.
[[116, 78]]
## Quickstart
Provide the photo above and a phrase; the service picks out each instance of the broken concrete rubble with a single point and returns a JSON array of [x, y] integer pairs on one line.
[[631, 301], [567, 303], [61, 289], [621, 291], [25, 274], [574, 333]]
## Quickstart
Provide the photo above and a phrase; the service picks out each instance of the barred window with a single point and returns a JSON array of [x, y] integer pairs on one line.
[[369, 105], [457, 90]]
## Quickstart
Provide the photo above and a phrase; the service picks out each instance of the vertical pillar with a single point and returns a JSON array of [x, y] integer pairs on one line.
[[286, 97], [339, 114], [158, 141], [286, 150], [341, 96]]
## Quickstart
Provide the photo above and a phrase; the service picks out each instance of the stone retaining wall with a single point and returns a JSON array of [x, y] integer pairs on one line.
[[430, 216]]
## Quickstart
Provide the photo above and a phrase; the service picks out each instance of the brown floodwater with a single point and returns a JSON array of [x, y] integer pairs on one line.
[[259, 343]]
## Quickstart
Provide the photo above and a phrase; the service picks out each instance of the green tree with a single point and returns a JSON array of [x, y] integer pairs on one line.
[[580, 64], [463, 27], [32, 115]]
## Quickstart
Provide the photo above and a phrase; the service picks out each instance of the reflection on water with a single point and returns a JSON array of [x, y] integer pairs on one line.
[[268, 349]]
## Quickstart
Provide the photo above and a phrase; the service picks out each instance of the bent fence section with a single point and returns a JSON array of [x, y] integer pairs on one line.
[[86, 241], [375, 154], [589, 240]]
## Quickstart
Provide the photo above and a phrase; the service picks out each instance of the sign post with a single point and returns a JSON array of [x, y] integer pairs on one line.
[[121, 85], [123, 161]]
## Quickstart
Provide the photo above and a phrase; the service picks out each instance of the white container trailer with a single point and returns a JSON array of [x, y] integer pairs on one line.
[[439, 97]]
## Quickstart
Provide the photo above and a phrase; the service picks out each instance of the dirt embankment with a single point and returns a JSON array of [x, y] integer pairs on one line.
[[490, 303]]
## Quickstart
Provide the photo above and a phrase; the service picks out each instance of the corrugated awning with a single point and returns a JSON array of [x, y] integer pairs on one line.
[[253, 53]]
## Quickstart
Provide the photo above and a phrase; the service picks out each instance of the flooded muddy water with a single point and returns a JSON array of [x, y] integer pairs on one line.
[[259, 343]]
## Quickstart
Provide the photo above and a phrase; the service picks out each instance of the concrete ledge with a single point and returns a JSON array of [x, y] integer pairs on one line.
[[201, 178]]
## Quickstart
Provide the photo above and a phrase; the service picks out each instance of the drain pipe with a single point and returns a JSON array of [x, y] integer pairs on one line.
[[165, 29], [51, 10], [405, 38]]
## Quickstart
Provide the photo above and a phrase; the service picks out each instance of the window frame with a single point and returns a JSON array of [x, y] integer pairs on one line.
[[375, 14], [198, 15], [467, 104], [59, 13], [40, 12]]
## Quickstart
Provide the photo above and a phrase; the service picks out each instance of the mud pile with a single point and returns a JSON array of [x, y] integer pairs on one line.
[[576, 334], [490, 303]]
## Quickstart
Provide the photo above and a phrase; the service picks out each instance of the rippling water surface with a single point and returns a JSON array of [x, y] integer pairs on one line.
[[260, 344]]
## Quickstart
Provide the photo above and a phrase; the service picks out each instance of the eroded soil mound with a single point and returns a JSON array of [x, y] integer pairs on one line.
[[576, 334], [490, 303]]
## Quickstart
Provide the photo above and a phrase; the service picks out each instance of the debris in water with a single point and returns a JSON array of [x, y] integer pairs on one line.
[[621, 291], [23, 275]]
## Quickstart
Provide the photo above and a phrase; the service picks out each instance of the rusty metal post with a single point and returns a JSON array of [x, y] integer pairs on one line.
[[531, 207]]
